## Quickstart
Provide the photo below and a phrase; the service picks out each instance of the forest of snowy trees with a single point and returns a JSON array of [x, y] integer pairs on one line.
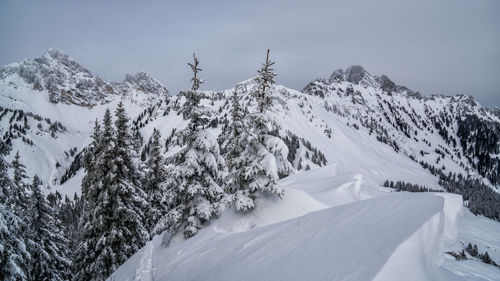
[[129, 195], [32, 237]]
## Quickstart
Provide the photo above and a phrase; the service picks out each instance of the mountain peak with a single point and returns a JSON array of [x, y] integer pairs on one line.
[[55, 53], [144, 82], [355, 73], [67, 81]]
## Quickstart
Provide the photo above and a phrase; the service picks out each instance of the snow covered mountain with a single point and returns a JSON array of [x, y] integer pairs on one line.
[[345, 137], [48, 106], [68, 82], [452, 132]]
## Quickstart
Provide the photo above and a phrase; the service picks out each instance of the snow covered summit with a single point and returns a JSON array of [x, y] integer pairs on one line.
[[64, 80]]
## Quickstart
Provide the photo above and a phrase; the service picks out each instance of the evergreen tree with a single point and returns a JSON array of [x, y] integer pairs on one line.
[[97, 167], [128, 205], [265, 81], [14, 257], [265, 155], [234, 140], [193, 193], [111, 223], [68, 213], [48, 246], [18, 199], [154, 176], [19, 170], [90, 165]]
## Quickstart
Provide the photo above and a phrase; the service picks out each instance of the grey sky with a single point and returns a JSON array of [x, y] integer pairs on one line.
[[433, 46]]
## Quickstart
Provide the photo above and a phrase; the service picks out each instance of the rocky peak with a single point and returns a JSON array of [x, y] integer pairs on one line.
[[386, 84], [355, 73], [57, 61], [67, 81], [57, 54], [337, 75], [144, 82]]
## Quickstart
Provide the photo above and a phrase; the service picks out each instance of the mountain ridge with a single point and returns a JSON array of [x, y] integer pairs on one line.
[[405, 120], [69, 82]]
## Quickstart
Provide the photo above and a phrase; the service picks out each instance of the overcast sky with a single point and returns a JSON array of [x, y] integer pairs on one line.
[[431, 46]]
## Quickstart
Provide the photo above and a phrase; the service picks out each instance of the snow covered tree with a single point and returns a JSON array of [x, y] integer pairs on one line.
[[19, 170], [14, 257], [234, 141], [111, 224], [154, 176], [47, 244], [233, 134], [90, 165], [255, 170], [265, 81], [193, 193], [97, 165], [254, 156], [18, 197]]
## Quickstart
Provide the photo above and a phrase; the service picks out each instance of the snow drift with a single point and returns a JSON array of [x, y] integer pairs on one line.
[[364, 240]]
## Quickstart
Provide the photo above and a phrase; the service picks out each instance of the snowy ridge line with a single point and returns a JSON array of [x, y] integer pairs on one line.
[[342, 248], [425, 248]]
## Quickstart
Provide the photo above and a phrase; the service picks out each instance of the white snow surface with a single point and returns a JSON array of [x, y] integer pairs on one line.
[[382, 238]]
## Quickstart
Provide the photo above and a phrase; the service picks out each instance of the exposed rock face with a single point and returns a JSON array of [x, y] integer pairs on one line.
[[355, 73], [386, 84]]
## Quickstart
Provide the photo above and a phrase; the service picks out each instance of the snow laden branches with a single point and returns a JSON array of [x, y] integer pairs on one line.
[[254, 156], [112, 224], [193, 191], [154, 176], [32, 243], [14, 256], [243, 164], [47, 244]]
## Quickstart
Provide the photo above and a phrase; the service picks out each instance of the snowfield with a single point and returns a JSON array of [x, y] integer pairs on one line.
[[393, 237]]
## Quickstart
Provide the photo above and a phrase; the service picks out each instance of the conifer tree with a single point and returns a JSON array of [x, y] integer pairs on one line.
[[265, 155], [48, 246], [193, 193], [18, 199], [97, 165], [90, 165], [19, 170], [234, 141], [265, 80], [111, 224], [14, 257], [154, 176]]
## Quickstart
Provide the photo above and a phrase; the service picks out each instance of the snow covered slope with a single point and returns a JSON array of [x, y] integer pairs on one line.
[[373, 239], [454, 133], [48, 106]]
